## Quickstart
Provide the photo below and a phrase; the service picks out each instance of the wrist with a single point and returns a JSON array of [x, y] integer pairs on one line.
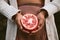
[[44, 12], [14, 16]]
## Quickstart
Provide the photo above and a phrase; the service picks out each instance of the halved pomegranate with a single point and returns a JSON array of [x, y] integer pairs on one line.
[[29, 21]]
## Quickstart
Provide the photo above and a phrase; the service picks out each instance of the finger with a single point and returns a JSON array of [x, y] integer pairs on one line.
[[19, 23], [41, 21], [18, 18], [25, 31], [42, 24], [41, 18]]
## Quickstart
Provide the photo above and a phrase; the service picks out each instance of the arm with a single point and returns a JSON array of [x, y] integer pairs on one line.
[[7, 10], [52, 7], [48, 10]]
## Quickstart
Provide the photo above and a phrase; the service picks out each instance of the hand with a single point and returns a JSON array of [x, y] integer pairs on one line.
[[17, 17], [43, 14], [41, 18]]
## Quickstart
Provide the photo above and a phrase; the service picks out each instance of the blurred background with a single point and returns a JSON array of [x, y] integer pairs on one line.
[[3, 25]]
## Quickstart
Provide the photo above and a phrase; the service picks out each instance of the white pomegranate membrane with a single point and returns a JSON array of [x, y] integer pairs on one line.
[[29, 21]]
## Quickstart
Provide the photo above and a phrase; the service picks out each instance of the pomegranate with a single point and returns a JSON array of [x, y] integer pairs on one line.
[[29, 21]]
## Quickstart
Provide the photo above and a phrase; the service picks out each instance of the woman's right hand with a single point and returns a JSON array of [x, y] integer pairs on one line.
[[17, 19]]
